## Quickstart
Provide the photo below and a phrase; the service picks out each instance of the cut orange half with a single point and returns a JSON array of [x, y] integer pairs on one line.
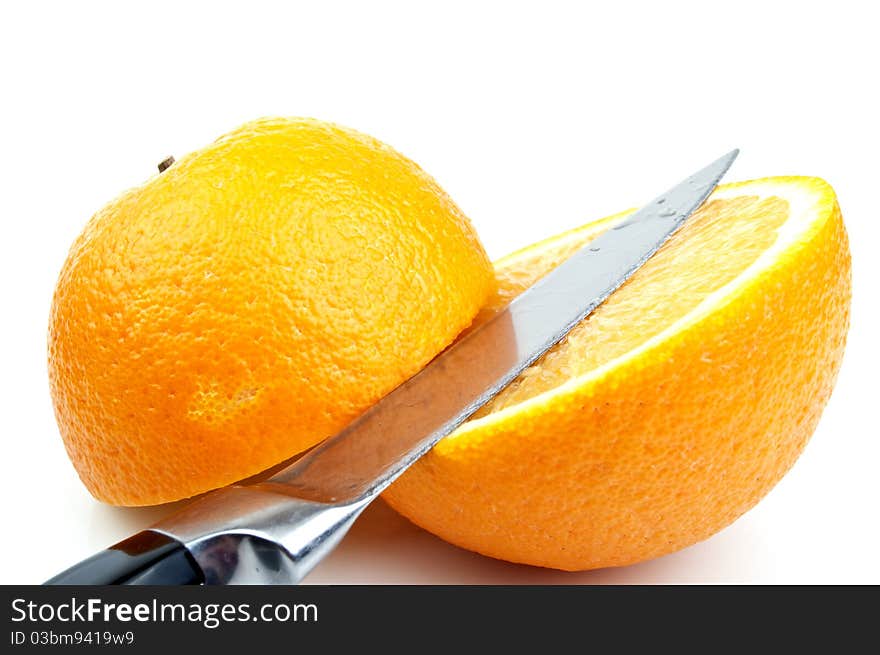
[[672, 409]]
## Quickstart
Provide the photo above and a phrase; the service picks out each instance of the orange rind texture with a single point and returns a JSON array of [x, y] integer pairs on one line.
[[249, 302]]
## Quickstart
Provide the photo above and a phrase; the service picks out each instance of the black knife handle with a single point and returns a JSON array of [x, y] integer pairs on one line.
[[147, 558]]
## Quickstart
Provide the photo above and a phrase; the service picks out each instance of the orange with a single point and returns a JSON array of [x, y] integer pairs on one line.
[[250, 301], [672, 409]]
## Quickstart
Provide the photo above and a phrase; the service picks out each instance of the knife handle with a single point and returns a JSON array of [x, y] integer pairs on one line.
[[147, 558], [255, 534]]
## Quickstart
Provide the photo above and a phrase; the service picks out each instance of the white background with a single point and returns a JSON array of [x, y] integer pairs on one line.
[[535, 119]]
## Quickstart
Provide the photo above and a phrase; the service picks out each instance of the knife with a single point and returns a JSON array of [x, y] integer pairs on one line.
[[277, 530]]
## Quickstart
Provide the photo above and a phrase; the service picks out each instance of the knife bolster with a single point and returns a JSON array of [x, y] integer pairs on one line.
[[256, 535]]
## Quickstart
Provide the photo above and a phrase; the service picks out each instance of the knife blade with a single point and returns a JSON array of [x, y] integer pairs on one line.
[[276, 530]]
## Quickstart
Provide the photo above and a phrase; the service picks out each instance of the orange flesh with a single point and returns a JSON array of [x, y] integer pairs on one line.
[[692, 265]]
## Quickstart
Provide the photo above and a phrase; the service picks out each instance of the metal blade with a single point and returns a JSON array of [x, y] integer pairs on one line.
[[370, 453]]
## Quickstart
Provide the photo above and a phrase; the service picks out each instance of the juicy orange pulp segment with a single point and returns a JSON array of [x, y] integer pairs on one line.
[[722, 240]]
